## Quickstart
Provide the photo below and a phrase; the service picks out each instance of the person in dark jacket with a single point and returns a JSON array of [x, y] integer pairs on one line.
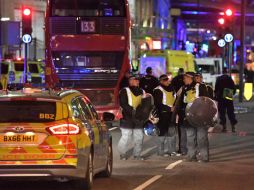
[[164, 98], [149, 82], [197, 137], [224, 91], [130, 99], [177, 81], [125, 80], [209, 89]]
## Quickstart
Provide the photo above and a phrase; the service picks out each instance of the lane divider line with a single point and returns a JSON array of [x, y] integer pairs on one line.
[[171, 166], [148, 150], [148, 182], [113, 128]]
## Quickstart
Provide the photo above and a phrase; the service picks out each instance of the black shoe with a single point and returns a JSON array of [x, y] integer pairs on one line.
[[203, 161], [123, 157], [233, 129], [163, 154], [191, 159], [182, 153], [139, 158], [175, 154]]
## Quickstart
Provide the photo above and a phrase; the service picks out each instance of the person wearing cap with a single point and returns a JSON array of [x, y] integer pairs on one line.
[[164, 98], [130, 98], [149, 82], [125, 80], [209, 88], [197, 137], [224, 91], [177, 81], [198, 78]]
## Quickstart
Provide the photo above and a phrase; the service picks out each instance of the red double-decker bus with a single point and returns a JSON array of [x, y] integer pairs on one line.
[[87, 47]]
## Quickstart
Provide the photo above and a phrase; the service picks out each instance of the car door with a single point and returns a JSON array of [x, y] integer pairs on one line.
[[96, 130], [104, 133]]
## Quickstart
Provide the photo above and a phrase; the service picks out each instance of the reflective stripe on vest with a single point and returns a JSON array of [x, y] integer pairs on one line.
[[191, 94], [133, 101], [168, 97]]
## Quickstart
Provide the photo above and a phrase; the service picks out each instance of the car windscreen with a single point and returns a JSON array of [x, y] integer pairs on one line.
[[207, 68], [88, 8], [4, 68], [27, 111], [19, 67], [33, 68]]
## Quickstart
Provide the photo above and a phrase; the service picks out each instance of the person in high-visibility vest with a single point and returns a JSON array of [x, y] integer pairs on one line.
[[130, 98], [197, 137], [164, 98], [199, 79], [224, 92], [149, 82]]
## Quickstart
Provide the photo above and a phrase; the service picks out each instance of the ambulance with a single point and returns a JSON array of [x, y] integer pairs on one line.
[[12, 72], [166, 62]]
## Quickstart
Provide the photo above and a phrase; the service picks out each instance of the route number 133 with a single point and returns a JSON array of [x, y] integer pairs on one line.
[[87, 26]]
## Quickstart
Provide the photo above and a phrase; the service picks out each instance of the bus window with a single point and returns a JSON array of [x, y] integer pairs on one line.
[[88, 8], [88, 60]]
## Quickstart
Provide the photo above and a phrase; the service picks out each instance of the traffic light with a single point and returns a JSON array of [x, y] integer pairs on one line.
[[221, 21], [229, 12], [26, 21]]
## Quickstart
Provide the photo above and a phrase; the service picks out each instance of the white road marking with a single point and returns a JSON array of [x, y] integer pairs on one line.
[[148, 182], [113, 128], [148, 150], [171, 166]]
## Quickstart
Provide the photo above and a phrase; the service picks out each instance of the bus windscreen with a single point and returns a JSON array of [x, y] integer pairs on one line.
[[84, 8], [88, 60]]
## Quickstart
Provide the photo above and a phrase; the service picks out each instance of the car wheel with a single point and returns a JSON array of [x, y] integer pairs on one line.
[[87, 182], [109, 166]]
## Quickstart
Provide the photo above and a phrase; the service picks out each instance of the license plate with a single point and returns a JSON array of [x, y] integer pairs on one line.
[[88, 26], [18, 139]]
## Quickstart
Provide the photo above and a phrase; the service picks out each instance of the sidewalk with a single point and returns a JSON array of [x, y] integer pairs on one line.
[[244, 107]]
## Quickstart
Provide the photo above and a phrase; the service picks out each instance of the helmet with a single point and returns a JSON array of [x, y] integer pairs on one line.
[[202, 112], [151, 129]]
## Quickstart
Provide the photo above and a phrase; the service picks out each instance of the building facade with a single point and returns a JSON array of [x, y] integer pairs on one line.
[[10, 10]]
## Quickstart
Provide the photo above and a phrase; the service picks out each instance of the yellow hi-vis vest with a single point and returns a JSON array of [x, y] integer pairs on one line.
[[133, 101], [168, 98], [191, 94]]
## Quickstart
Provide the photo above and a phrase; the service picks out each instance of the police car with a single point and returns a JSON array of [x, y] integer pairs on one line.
[[55, 135]]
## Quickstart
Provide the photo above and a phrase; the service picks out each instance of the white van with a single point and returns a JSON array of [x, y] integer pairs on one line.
[[210, 68]]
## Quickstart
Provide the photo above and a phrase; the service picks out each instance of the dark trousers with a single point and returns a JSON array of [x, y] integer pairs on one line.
[[226, 106], [197, 140], [182, 139]]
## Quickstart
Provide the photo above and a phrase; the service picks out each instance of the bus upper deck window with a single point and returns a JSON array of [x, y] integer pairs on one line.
[[108, 12], [117, 13]]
